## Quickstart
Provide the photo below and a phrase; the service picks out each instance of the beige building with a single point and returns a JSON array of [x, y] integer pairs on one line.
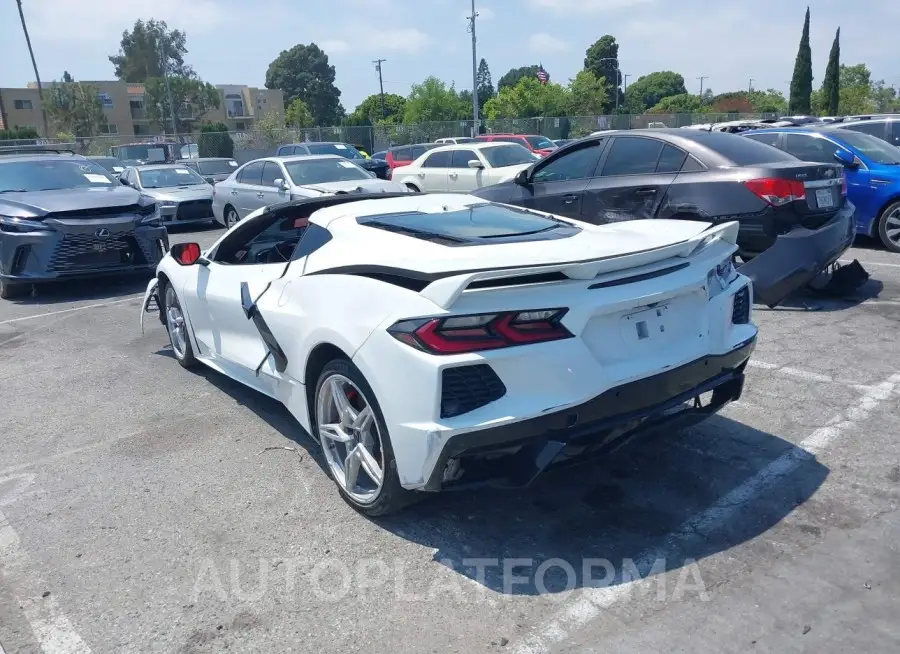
[[126, 114]]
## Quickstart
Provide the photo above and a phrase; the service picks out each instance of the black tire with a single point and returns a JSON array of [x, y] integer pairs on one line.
[[187, 359], [392, 497], [893, 246], [9, 291], [231, 217], [413, 188]]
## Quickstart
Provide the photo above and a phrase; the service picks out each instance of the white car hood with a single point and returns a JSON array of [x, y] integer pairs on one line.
[[369, 185], [506, 173]]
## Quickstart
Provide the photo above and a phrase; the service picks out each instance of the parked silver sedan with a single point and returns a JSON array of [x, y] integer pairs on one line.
[[272, 180], [182, 195]]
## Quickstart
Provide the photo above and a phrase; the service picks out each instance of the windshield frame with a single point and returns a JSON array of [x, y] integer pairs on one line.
[[335, 163], [528, 157], [848, 136], [193, 175], [84, 167]]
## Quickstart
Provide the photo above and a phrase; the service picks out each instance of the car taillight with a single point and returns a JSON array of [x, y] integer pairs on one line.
[[484, 331], [775, 191]]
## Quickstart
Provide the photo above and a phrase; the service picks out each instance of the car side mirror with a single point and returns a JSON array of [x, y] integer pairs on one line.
[[281, 184], [186, 254], [521, 178], [371, 174], [210, 180], [474, 163], [847, 159], [123, 181]]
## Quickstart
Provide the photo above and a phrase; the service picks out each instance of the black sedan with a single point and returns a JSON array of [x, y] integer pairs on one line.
[[795, 219]]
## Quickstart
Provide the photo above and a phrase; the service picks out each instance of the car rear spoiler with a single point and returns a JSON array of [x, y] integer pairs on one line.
[[446, 291]]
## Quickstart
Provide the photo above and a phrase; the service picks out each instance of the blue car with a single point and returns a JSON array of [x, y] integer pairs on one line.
[[872, 167]]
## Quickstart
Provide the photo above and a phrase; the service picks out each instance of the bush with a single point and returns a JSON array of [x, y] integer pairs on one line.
[[214, 141], [19, 134]]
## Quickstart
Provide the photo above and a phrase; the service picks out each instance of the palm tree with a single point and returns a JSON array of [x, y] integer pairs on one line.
[[34, 64]]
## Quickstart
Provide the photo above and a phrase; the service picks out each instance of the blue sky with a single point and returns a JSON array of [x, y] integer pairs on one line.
[[233, 41]]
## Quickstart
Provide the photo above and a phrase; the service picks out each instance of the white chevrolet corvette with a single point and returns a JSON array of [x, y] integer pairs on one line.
[[436, 341]]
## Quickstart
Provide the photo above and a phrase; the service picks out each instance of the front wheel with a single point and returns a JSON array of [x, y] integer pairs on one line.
[[355, 441], [178, 329], [889, 227], [231, 217]]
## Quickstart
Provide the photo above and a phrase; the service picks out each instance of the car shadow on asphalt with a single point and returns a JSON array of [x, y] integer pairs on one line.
[[104, 288], [809, 299], [651, 496], [616, 510]]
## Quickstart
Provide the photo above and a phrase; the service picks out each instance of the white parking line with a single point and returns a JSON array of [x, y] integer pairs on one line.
[[802, 374], [52, 630], [591, 601], [86, 306]]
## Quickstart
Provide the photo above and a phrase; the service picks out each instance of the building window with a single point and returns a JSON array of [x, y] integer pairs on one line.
[[136, 103], [109, 129], [105, 100], [234, 105], [141, 130], [240, 127], [23, 104]]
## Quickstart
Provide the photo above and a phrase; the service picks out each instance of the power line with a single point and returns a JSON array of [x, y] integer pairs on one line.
[[378, 63]]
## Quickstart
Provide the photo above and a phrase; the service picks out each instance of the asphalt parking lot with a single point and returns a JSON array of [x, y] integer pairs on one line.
[[144, 508]]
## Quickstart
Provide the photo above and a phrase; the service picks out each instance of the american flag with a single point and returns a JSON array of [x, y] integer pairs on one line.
[[542, 74]]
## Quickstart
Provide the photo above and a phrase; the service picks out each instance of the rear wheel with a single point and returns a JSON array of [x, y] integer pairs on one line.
[[231, 217], [355, 441], [10, 291], [889, 227], [178, 329]]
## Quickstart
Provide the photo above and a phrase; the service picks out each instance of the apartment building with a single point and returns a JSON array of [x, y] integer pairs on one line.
[[125, 107]]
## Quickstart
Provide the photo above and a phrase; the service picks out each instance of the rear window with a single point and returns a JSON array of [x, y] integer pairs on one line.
[[340, 149], [478, 224], [220, 167], [741, 150]]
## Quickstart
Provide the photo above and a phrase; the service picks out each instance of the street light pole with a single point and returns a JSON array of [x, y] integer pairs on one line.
[[474, 72]]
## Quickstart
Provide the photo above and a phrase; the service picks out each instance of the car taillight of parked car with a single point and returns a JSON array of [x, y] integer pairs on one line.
[[777, 191], [484, 331]]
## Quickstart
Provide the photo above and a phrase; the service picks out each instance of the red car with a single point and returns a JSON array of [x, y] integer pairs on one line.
[[540, 145], [403, 155]]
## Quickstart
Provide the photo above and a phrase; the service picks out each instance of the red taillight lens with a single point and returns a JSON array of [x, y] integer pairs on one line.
[[775, 191], [485, 331]]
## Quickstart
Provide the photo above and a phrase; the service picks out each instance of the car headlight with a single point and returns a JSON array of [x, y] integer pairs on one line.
[[166, 203], [153, 219], [14, 224], [721, 277]]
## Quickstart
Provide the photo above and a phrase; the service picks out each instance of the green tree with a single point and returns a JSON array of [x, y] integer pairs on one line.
[[304, 72], [770, 101], [602, 59], [369, 110], [831, 87], [648, 90], [297, 114], [587, 94], [74, 107], [215, 141], [19, 134], [683, 103], [143, 49], [513, 75], [433, 100], [856, 90], [529, 99], [484, 84], [192, 98], [801, 81]]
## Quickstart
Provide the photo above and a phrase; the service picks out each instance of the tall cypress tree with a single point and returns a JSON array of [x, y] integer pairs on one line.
[[831, 87], [801, 82]]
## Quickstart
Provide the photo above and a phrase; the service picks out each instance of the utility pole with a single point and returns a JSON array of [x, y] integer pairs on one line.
[[750, 88], [625, 77], [702, 79], [474, 72], [378, 63], [37, 76], [164, 66]]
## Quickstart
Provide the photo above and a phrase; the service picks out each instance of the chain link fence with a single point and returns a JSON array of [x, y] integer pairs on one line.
[[261, 142]]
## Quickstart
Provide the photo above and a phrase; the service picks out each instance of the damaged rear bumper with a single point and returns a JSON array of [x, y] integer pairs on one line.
[[797, 257], [515, 454]]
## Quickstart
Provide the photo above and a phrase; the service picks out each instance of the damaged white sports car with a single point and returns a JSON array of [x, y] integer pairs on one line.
[[435, 341]]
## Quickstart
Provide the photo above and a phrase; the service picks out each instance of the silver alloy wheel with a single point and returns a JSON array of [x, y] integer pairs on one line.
[[231, 218], [892, 226], [175, 323], [350, 438]]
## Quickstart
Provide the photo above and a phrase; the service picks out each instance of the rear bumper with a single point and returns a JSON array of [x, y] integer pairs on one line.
[[797, 257], [35, 257], [514, 454]]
